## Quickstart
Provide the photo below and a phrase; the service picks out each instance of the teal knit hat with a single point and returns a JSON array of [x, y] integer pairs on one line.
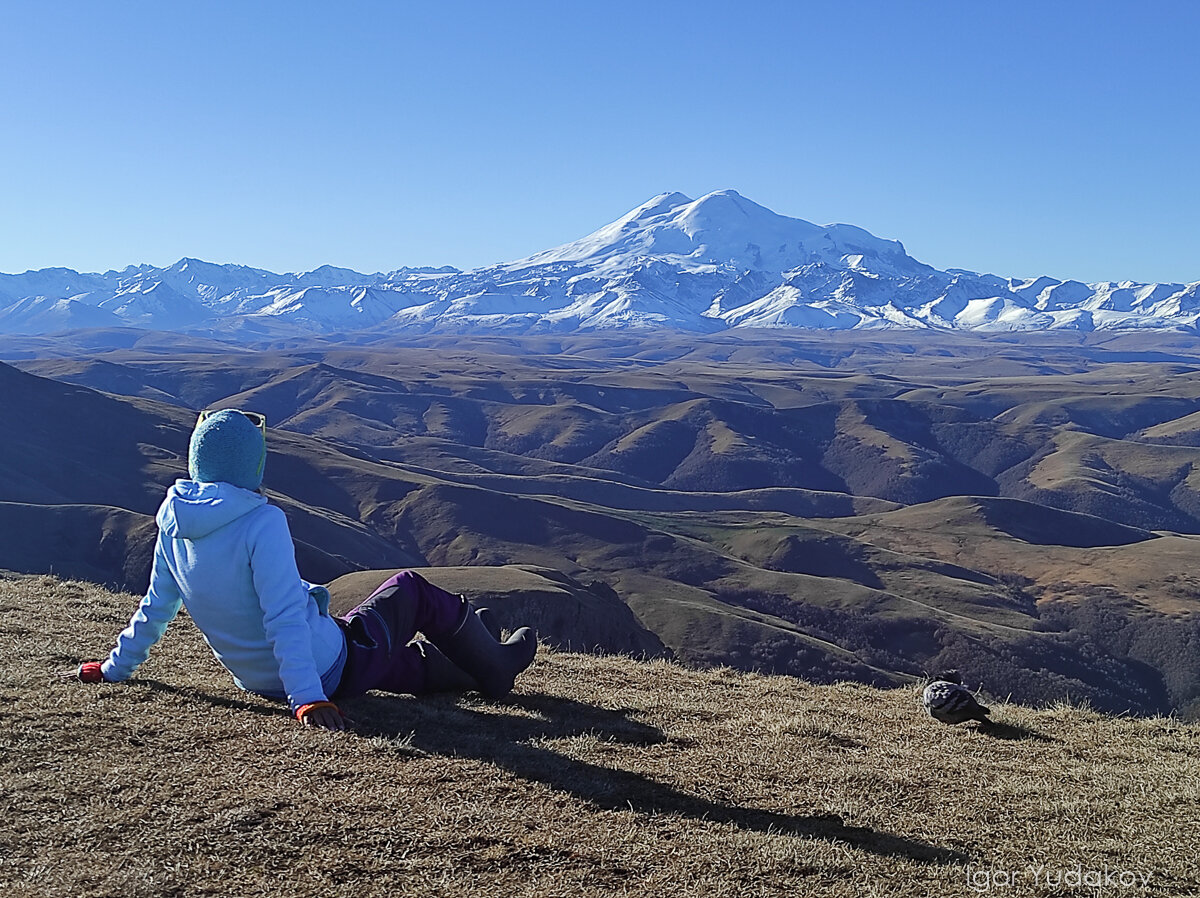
[[227, 446]]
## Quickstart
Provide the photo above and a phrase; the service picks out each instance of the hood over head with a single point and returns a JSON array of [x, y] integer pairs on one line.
[[194, 509]]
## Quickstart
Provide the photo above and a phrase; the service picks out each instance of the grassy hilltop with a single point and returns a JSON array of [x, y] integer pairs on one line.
[[601, 776]]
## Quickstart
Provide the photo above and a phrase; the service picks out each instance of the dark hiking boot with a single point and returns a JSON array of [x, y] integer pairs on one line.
[[493, 664], [442, 674]]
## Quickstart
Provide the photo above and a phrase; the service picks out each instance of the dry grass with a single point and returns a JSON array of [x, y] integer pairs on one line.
[[602, 776]]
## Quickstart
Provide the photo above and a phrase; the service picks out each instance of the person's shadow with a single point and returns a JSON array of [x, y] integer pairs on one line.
[[441, 725]]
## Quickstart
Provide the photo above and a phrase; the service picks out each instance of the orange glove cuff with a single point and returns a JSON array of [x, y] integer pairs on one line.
[[312, 706]]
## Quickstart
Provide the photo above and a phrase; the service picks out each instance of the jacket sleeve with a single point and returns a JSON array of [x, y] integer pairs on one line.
[[148, 624], [284, 599]]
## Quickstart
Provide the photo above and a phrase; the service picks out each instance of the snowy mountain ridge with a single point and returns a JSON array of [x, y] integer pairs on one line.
[[702, 265]]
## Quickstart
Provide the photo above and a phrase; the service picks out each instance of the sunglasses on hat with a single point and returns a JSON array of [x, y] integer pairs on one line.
[[258, 420]]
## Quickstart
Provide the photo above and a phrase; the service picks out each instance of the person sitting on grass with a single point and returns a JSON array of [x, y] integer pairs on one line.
[[226, 555]]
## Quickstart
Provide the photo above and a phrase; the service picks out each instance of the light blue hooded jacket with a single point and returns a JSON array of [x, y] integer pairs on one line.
[[227, 556]]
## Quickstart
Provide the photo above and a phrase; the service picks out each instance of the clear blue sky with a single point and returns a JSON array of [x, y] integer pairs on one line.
[[1018, 138]]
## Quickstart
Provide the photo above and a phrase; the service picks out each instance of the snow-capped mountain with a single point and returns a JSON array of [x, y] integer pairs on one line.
[[717, 262], [46, 314], [725, 228]]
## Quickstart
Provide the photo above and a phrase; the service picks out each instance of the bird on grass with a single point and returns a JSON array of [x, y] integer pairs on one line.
[[948, 700]]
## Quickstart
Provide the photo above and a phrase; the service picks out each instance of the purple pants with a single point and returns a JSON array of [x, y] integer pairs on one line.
[[379, 632]]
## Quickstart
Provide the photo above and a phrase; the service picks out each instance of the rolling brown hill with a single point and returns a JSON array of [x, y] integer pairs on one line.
[[867, 507], [1080, 440]]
